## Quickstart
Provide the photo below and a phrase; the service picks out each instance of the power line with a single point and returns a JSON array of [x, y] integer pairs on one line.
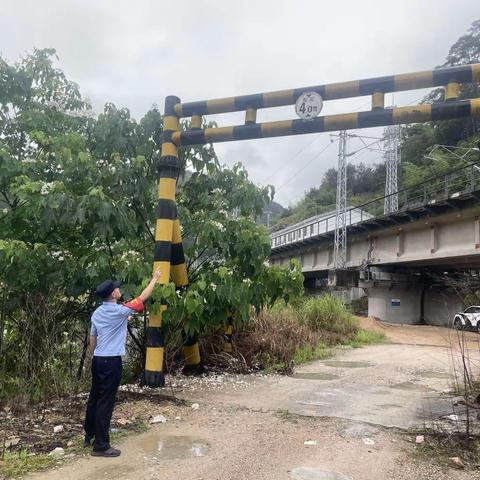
[[302, 149], [415, 101], [286, 164], [316, 156], [306, 165], [312, 159]]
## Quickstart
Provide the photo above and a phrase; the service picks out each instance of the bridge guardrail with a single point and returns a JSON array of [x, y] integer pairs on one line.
[[440, 188]]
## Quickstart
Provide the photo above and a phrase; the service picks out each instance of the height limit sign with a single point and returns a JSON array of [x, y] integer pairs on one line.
[[309, 105]]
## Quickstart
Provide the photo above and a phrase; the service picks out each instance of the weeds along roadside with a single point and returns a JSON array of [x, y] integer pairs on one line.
[[273, 340], [277, 339]]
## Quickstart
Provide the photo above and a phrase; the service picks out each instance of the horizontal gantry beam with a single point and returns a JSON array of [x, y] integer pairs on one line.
[[333, 91], [373, 118]]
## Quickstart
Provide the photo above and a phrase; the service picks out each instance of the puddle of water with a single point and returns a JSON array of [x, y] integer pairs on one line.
[[174, 447], [316, 376], [412, 386], [122, 472], [434, 374], [383, 392], [388, 405], [360, 430], [305, 473], [346, 364]]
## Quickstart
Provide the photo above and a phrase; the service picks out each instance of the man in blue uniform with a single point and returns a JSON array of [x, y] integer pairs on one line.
[[107, 338]]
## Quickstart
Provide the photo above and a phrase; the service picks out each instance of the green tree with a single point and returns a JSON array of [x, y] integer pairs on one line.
[[77, 205], [364, 182], [418, 139]]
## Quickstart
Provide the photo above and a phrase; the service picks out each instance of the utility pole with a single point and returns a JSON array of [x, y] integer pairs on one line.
[[392, 161], [340, 246]]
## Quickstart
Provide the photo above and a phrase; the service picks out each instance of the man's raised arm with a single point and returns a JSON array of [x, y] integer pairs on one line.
[[149, 288]]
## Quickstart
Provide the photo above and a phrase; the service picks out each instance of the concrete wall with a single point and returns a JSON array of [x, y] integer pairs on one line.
[[440, 307], [383, 304], [348, 295]]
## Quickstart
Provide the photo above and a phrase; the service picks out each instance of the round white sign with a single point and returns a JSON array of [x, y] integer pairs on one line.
[[308, 105]]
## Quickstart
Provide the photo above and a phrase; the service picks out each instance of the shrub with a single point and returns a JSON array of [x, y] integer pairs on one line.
[[278, 338], [328, 313], [272, 337], [359, 306]]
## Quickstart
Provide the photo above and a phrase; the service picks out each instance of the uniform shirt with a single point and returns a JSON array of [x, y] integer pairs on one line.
[[109, 325]]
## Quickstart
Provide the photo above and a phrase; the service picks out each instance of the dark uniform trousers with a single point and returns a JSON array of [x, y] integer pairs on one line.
[[106, 373]]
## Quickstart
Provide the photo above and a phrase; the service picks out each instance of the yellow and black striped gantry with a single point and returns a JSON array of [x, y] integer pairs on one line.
[[168, 243], [451, 78]]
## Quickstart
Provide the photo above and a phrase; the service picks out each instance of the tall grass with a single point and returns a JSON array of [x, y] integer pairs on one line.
[[16, 464], [271, 339], [365, 337], [328, 313], [279, 338]]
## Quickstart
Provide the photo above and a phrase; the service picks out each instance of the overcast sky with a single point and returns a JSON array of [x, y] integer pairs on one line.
[[134, 53]]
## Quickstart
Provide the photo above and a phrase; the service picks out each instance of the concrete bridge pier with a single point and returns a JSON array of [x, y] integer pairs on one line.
[[440, 306], [394, 305], [406, 298]]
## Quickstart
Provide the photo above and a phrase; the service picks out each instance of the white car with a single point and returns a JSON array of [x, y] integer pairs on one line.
[[469, 319]]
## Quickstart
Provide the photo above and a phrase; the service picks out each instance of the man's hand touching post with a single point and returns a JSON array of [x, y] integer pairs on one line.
[[149, 288]]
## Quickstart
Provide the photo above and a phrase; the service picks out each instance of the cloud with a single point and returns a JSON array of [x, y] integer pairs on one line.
[[136, 53]]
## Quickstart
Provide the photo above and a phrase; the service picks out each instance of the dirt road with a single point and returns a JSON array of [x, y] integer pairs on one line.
[[423, 334], [332, 416]]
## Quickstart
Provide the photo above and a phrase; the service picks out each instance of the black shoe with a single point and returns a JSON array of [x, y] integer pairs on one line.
[[87, 441], [110, 452]]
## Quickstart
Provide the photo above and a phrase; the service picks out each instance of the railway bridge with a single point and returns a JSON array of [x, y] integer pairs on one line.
[[405, 261]]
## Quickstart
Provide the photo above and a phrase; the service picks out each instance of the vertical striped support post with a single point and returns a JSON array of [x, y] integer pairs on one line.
[[196, 122], [169, 255], [191, 350], [166, 250], [191, 353], [452, 90], [378, 100], [250, 116]]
